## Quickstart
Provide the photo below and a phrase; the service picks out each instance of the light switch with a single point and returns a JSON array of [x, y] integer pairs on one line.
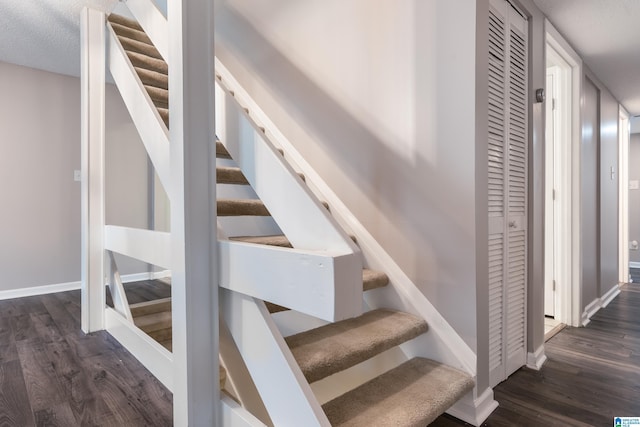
[[76, 175], [634, 184]]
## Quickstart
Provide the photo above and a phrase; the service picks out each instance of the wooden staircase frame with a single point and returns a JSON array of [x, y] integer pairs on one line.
[[221, 287]]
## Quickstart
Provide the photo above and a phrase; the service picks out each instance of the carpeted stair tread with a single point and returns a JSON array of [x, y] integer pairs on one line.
[[153, 78], [337, 346], [221, 151], [228, 175], [141, 60], [411, 395], [124, 21], [131, 33], [372, 279], [132, 45], [241, 207], [164, 113], [275, 308], [159, 96], [154, 321], [273, 240], [150, 307]]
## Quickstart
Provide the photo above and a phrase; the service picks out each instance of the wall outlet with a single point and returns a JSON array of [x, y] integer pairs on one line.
[[76, 176]]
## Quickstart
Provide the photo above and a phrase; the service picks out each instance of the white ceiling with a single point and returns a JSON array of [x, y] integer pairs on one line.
[[44, 34], [606, 34]]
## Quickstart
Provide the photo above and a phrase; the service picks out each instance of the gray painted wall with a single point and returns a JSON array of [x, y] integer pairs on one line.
[[39, 150], [634, 195], [589, 225], [609, 191]]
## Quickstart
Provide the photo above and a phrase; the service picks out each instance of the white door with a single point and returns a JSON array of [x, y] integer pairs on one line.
[[508, 153]]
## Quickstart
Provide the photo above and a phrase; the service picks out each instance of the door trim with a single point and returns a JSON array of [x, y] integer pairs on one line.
[[569, 271], [623, 190]]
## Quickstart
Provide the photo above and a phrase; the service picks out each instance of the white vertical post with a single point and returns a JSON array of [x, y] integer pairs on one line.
[[92, 164], [196, 394]]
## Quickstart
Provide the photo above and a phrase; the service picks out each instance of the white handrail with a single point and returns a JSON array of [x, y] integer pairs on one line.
[[302, 218], [153, 247]]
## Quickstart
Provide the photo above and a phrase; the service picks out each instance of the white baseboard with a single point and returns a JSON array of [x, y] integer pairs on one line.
[[137, 277], [610, 295], [591, 309], [474, 410], [39, 290], [599, 303], [536, 359], [72, 286]]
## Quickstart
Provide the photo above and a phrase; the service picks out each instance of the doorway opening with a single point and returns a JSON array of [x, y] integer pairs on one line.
[[562, 186]]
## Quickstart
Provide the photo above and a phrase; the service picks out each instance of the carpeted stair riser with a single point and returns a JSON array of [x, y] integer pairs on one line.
[[139, 47], [124, 21], [152, 64], [413, 394], [153, 78], [241, 207], [164, 114], [337, 346], [221, 151], [160, 97], [230, 176], [131, 33]]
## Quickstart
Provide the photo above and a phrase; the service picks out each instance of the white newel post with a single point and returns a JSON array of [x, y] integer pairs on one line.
[[196, 394], [92, 165]]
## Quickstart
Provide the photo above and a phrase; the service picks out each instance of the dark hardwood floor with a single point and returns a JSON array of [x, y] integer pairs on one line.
[[592, 374], [52, 374]]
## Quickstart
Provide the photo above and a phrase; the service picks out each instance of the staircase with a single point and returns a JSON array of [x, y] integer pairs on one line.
[[412, 393]]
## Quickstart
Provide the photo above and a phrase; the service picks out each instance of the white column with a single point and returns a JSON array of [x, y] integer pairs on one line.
[[92, 163], [196, 395]]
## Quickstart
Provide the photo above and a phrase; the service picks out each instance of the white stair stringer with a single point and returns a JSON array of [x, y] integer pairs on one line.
[[145, 116], [270, 362], [441, 343], [319, 242]]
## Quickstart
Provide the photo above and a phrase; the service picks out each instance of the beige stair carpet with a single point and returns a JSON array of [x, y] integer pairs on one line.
[[337, 346], [411, 395]]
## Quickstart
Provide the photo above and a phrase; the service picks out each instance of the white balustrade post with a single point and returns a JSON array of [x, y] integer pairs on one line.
[[92, 165], [196, 394]]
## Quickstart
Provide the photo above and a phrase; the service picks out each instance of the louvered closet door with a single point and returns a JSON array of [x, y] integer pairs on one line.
[[507, 189]]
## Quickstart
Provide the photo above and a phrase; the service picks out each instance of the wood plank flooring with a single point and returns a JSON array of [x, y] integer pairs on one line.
[[592, 375], [52, 374]]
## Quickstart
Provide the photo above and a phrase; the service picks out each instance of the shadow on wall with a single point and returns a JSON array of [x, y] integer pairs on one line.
[[421, 211]]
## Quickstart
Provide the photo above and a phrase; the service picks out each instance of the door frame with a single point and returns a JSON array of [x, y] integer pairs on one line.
[[623, 194], [569, 270]]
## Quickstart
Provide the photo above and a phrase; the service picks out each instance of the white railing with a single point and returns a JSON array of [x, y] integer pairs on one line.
[[322, 275]]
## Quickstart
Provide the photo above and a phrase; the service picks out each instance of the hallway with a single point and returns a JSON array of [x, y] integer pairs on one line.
[[592, 374]]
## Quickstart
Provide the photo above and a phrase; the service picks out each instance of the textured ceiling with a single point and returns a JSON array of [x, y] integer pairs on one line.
[[606, 34], [44, 34]]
